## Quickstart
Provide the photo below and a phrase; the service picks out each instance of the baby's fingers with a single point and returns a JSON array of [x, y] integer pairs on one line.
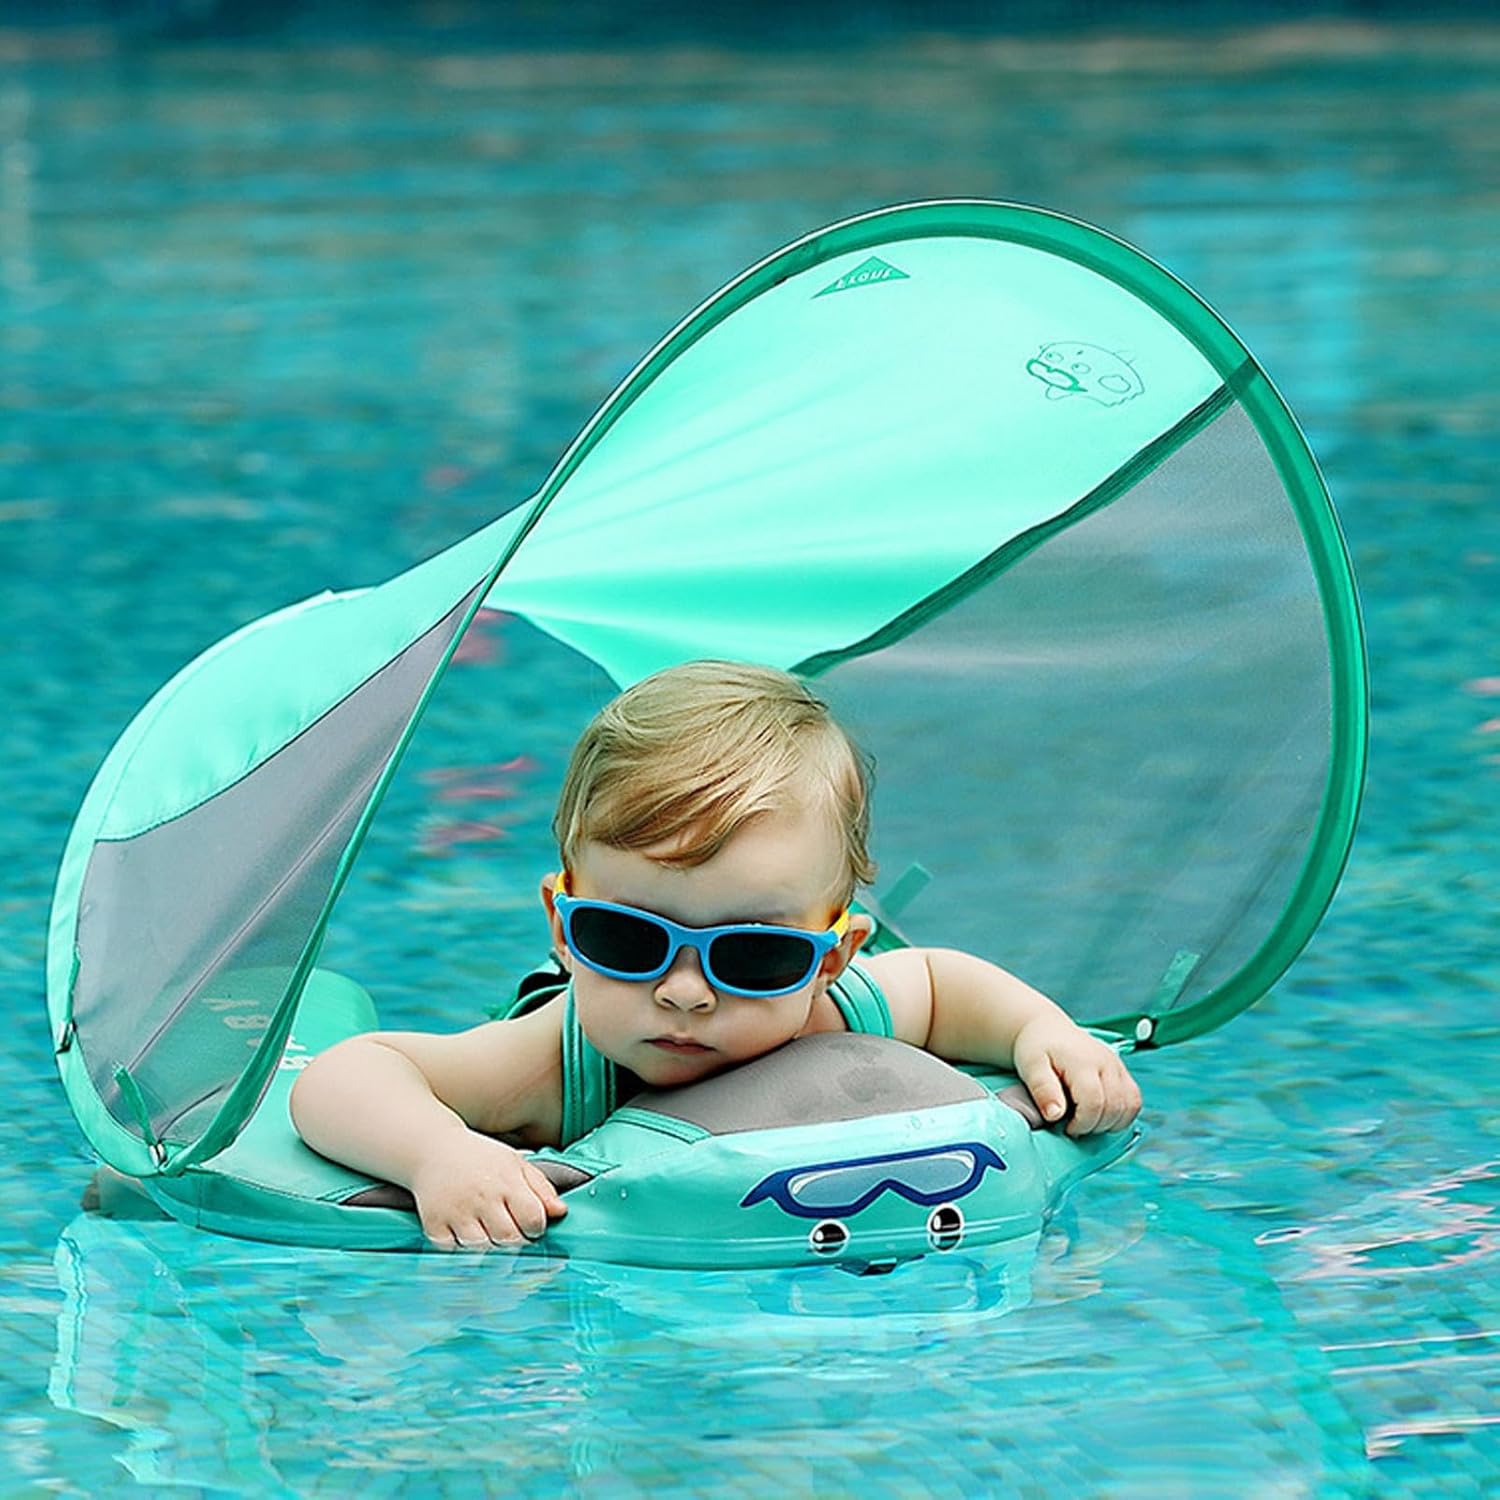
[[531, 1200], [465, 1235], [526, 1216], [541, 1184], [1088, 1102], [1124, 1100], [435, 1229], [481, 1228], [1106, 1100], [498, 1222], [1042, 1082]]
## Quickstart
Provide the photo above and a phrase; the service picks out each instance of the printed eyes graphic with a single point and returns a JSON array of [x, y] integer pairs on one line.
[[945, 1231], [828, 1238], [945, 1227]]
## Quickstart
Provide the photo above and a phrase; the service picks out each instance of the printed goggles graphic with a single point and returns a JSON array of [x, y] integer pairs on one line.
[[839, 1189]]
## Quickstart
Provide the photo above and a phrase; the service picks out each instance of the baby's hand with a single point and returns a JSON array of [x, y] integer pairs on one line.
[[473, 1192], [1058, 1061]]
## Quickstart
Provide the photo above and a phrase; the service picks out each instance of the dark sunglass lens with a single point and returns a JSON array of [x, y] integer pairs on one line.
[[617, 940], [761, 961]]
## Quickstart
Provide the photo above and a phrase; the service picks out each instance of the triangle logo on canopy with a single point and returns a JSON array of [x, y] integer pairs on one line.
[[865, 274]]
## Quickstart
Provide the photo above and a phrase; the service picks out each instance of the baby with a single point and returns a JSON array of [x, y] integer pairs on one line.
[[712, 829]]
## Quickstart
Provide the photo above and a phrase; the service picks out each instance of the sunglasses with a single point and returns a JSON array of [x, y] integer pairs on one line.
[[752, 959]]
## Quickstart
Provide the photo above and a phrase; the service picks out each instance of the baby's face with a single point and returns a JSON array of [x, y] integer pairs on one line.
[[779, 868]]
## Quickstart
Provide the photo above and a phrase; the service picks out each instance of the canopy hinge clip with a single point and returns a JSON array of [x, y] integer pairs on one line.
[[1168, 993], [66, 1036], [131, 1092]]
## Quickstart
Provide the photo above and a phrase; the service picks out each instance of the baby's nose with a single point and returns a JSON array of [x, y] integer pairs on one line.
[[683, 986]]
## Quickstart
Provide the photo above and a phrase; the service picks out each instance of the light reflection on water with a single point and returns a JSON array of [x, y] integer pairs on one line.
[[1413, 1232], [279, 319]]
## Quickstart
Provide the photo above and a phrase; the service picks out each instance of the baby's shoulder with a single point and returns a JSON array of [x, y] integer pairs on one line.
[[897, 970], [905, 981], [517, 1062], [855, 1000]]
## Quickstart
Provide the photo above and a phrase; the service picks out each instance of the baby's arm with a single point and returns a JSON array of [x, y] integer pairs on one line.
[[423, 1111], [961, 1007]]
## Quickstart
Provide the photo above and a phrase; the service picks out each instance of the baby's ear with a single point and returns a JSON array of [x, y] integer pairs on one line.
[[554, 922], [860, 927]]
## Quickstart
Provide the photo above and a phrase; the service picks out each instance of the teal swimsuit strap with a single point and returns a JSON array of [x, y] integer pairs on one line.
[[590, 1081], [861, 1002]]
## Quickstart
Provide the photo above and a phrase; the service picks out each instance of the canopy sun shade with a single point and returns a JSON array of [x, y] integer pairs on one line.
[[1042, 529]]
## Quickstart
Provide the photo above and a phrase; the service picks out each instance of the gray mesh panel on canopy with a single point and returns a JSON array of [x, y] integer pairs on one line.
[[189, 933], [1141, 774]]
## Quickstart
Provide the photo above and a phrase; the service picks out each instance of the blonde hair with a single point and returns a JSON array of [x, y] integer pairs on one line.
[[688, 756]]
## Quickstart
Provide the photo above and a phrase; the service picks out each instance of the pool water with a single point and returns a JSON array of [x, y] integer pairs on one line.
[[290, 311]]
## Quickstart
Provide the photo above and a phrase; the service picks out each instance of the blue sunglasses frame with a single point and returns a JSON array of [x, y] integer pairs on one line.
[[699, 939]]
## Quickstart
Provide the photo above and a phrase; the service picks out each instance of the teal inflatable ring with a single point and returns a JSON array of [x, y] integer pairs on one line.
[[844, 1148]]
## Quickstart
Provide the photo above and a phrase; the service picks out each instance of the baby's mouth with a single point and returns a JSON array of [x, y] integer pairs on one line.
[[677, 1044]]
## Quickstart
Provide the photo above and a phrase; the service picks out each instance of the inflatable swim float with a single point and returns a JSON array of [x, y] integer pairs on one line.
[[844, 1148], [1057, 554]]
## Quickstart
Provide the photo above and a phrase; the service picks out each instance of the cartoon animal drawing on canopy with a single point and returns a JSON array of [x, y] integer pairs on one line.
[[1098, 629]]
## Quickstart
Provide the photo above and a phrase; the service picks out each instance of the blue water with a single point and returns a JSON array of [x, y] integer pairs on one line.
[[281, 315]]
